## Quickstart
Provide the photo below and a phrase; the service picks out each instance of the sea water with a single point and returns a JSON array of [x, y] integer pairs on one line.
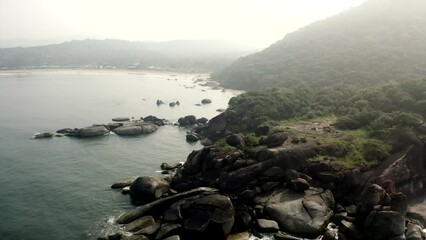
[[59, 188]]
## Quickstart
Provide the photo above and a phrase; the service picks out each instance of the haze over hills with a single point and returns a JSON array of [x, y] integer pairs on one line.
[[377, 42], [200, 55]]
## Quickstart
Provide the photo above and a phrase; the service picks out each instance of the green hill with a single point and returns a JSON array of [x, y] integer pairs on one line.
[[380, 41]]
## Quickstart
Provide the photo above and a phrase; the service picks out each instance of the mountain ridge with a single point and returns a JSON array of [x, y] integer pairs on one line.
[[377, 42]]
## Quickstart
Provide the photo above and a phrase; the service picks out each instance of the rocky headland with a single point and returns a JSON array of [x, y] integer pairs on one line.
[[290, 182]]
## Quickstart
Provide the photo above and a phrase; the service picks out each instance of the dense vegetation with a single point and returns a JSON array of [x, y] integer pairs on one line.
[[380, 110], [378, 42], [173, 55]]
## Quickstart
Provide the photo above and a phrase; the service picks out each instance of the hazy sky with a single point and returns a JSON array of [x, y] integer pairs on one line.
[[255, 22]]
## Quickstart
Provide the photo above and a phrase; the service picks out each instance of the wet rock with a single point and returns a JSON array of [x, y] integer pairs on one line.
[[148, 189], [276, 139], [140, 223], [123, 183], [43, 135], [265, 225], [125, 190]]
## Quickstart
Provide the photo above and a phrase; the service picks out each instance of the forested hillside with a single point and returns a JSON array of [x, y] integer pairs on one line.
[[378, 42], [173, 55]]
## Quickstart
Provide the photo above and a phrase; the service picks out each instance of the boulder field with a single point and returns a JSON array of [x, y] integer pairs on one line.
[[226, 194]]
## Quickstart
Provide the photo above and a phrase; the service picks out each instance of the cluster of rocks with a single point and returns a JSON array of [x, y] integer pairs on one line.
[[122, 126], [274, 187]]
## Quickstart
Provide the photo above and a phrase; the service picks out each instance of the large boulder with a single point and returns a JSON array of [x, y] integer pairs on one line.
[[187, 120], [210, 217], [384, 224], [276, 139], [305, 214], [92, 131], [235, 140], [148, 189], [136, 129]]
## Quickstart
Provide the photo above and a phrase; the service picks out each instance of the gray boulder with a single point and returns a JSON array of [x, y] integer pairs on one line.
[[92, 131], [306, 214], [148, 189], [128, 130], [136, 129], [276, 139]]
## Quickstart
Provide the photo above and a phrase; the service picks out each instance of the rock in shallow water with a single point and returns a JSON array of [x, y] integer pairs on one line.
[[148, 189], [92, 131]]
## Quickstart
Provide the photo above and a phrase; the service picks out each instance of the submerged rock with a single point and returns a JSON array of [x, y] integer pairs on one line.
[[121, 119], [43, 135]]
